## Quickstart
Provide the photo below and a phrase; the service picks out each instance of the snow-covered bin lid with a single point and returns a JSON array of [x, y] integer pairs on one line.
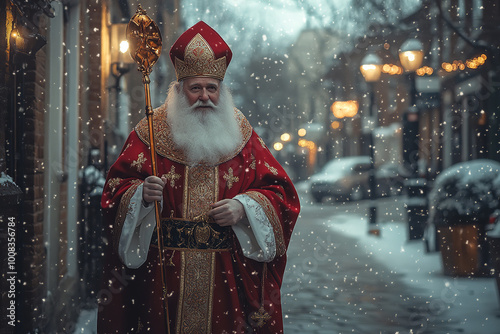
[[466, 191], [415, 182], [8, 186], [495, 232], [414, 201]]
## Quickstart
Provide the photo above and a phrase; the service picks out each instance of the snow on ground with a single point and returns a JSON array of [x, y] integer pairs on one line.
[[472, 303], [87, 322]]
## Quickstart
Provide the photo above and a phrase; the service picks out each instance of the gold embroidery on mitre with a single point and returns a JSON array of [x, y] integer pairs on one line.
[[199, 60], [139, 162]]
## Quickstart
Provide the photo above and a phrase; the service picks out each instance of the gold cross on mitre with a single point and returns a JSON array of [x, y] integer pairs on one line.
[[260, 317]]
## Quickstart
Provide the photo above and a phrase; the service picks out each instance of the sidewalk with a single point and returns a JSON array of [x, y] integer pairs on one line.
[[344, 280], [470, 305]]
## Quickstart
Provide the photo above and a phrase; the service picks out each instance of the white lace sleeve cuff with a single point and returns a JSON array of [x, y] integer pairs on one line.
[[256, 235], [136, 232]]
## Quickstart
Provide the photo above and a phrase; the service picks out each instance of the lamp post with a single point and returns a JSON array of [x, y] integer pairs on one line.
[[371, 68], [411, 55], [120, 64]]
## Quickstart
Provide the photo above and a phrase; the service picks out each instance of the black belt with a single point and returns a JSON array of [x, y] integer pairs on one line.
[[178, 233]]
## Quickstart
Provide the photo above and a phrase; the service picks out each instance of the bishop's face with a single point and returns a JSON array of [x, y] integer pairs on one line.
[[201, 91]]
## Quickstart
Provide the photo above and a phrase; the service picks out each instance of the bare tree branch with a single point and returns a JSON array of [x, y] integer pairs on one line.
[[467, 39]]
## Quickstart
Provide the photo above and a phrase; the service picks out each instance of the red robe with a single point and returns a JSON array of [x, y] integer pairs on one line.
[[208, 292]]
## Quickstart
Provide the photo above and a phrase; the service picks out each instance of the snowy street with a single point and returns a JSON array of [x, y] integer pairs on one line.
[[342, 280]]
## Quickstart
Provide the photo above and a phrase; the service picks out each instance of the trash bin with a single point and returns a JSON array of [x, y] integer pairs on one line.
[[462, 249], [494, 243], [416, 207]]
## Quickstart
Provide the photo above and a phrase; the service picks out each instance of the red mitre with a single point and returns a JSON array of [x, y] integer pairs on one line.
[[200, 52]]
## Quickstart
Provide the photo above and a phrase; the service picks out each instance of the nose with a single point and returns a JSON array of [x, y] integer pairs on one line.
[[204, 95]]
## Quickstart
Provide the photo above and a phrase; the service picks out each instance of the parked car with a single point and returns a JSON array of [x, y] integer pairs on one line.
[[389, 180], [342, 178], [347, 178]]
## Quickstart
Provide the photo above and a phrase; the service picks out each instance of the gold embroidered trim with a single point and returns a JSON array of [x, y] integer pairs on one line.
[[230, 178], [123, 211], [139, 162], [113, 183], [201, 189], [194, 314], [199, 60], [194, 311], [271, 214], [253, 163], [165, 145], [128, 145], [271, 169], [172, 176], [261, 141]]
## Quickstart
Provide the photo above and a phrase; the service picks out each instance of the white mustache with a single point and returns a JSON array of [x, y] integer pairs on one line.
[[200, 103]]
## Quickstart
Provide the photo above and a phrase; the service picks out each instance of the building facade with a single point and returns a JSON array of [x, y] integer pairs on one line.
[[57, 120]]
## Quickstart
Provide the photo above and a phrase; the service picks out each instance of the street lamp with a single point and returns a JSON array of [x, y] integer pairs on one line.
[[371, 68], [411, 55], [120, 64]]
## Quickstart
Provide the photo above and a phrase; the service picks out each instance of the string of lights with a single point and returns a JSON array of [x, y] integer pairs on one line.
[[455, 65]]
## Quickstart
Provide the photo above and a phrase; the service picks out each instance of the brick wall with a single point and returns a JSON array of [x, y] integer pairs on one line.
[[32, 254]]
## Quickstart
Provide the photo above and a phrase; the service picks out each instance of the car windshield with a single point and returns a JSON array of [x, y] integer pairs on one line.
[[343, 166]]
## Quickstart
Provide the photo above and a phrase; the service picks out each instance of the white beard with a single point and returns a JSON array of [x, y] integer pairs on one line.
[[204, 136]]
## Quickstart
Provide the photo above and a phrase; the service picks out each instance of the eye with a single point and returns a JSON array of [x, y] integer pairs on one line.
[[212, 89]]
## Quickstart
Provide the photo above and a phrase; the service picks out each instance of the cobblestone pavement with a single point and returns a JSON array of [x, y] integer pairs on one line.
[[332, 286]]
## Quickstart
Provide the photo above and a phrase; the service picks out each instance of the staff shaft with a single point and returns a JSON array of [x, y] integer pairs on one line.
[[149, 114]]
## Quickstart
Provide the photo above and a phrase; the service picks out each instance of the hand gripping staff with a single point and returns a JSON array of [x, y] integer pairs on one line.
[[144, 38]]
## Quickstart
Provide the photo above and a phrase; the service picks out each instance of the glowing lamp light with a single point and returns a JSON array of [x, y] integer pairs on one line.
[[302, 132], [341, 109], [286, 137], [123, 46], [335, 125], [309, 144], [371, 67], [411, 55], [14, 33], [278, 146]]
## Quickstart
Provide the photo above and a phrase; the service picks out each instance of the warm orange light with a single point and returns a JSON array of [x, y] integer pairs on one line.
[[341, 109], [302, 132], [335, 125], [371, 72], [286, 137], [278, 146], [309, 144]]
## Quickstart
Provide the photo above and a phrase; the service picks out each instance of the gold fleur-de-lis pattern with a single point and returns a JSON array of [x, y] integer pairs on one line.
[[271, 169], [230, 178], [139, 162], [172, 176], [253, 164], [113, 183]]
